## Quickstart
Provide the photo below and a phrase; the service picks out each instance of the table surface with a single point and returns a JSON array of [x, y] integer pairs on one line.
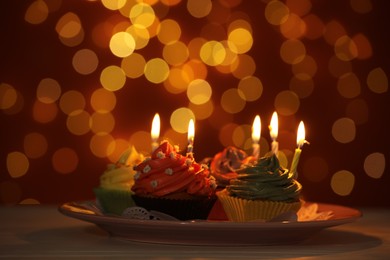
[[40, 231]]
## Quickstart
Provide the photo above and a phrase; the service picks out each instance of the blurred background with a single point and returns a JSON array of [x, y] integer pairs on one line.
[[80, 81]]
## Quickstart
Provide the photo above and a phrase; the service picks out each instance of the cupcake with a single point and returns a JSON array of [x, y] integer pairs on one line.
[[261, 191], [174, 184], [224, 165], [114, 192]]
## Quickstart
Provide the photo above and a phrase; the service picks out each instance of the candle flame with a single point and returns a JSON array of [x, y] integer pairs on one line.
[[301, 134], [256, 129], [155, 133], [191, 131], [274, 126]]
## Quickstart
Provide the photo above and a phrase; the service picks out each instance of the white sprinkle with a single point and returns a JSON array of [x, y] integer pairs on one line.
[[188, 161], [146, 169], [147, 159], [204, 166], [172, 155], [169, 171], [191, 169], [160, 155], [136, 175], [154, 183]]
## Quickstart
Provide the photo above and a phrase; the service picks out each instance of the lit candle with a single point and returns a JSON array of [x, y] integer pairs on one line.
[[256, 131], [190, 137], [300, 141], [274, 133], [155, 133]]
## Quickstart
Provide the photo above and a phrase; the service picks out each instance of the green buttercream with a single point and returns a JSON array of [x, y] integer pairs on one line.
[[265, 180]]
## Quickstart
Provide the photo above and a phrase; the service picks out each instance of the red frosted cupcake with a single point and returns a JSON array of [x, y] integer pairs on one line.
[[174, 184], [224, 165]]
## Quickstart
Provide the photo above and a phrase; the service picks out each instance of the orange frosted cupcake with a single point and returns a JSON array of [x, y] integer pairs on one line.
[[174, 184], [261, 191]]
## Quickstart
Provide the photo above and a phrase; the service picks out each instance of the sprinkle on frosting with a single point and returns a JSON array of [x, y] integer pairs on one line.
[[172, 155], [160, 155], [169, 171], [154, 183], [189, 161], [146, 169]]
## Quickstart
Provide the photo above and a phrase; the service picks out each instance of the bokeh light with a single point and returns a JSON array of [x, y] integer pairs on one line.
[[232, 102], [35, 145], [85, 61], [344, 130], [37, 12], [179, 119], [70, 30], [122, 44], [17, 164], [71, 101], [48, 91], [113, 78], [8, 96], [374, 165], [287, 103], [199, 8], [251, 88], [133, 65], [65, 160], [377, 81], [343, 182], [199, 91], [156, 70]]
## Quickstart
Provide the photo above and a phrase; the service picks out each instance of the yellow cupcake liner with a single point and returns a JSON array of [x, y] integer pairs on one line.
[[242, 210]]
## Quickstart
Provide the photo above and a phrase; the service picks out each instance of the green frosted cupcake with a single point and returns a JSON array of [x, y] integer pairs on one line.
[[114, 192], [261, 191]]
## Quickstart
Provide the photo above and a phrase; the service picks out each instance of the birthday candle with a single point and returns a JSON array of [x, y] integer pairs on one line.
[[274, 133], [300, 141], [190, 137], [155, 132], [256, 132]]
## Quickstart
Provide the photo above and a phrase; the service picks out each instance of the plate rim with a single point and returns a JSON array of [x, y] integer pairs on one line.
[[214, 232], [353, 215]]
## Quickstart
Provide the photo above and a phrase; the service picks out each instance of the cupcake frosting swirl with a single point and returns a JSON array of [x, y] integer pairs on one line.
[[120, 176], [167, 172], [265, 180], [225, 164]]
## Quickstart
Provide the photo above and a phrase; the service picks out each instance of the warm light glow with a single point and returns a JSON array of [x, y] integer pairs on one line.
[[191, 131], [301, 135], [190, 137], [256, 129], [274, 126], [155, 127]]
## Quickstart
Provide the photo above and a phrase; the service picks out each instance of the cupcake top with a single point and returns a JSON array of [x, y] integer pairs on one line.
[[168, 172], [265, 180], [225, 164], [120, 176]]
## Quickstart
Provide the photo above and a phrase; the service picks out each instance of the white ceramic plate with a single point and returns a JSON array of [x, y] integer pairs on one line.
[[212, 232]]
